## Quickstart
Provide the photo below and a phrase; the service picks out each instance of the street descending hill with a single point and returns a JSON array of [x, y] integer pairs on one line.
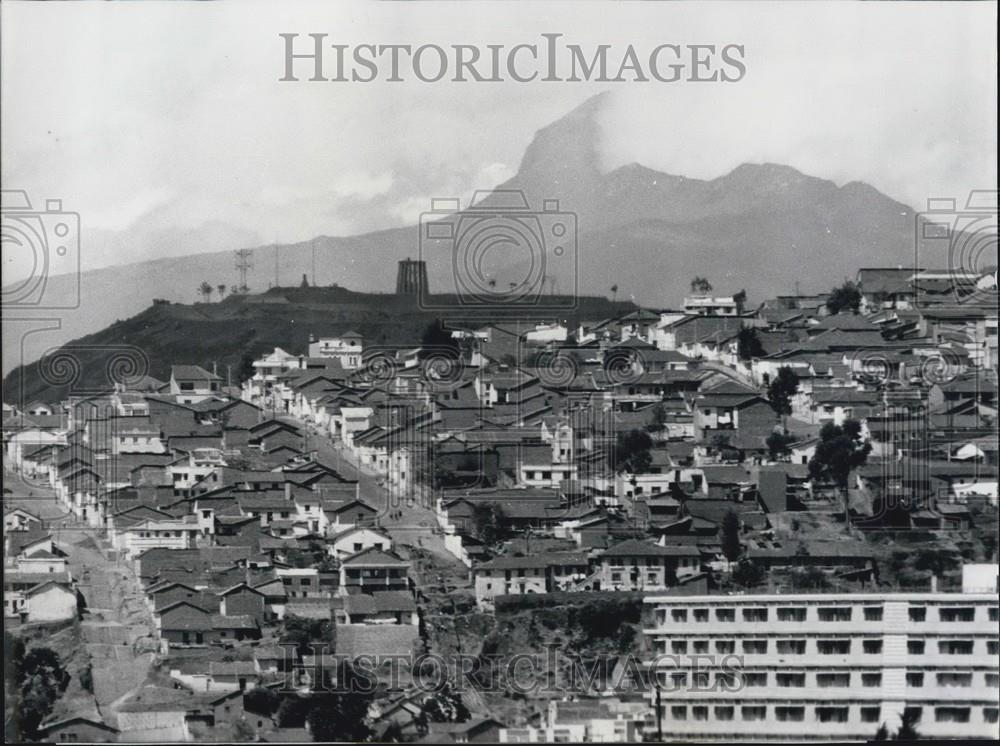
[[645, 231], [230, 332]]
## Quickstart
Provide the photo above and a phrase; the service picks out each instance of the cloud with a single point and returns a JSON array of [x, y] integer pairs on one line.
[[194, 143]]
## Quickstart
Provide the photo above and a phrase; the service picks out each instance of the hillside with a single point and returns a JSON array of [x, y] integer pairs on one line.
[[647, 232], [224, 333]]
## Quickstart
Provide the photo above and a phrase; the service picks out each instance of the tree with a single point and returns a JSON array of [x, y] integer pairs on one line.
[[305, 281], [631, 451], [882, 734], [908, 727], [490, 523], [748, 574], [343, 715], [730, 530], [614, 292], [38, 677], [221, 290], [748, 344], [436, 340], [840, 450], [701, 286], [659, 418], [205, 290], [778, 444], [261, 701], [304, 632], [445, 706], [740, 299], [781, 390], [845, 297], [246, 370]]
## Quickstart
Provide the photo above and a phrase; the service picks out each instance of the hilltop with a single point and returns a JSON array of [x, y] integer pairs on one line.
[[241, 327]]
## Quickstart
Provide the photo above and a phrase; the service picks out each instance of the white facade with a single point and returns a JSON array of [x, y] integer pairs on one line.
[[808, 667]]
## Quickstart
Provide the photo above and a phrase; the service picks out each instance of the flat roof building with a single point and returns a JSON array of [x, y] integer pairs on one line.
[[825, 667]]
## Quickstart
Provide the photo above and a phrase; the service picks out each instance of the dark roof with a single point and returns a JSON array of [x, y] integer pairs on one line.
[[192, 373], [639, 548]]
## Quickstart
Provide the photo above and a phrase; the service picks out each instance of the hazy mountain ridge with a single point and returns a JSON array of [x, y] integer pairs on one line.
[[646, 231]]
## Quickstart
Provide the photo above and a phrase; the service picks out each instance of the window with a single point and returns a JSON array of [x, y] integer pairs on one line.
[[955, 647], [727, 681], [700, 646], [679, 646], [679, 712], [723, 712], [992, 647], [918, 614], [991, 715], [833, 647], [679, 615], [834, 613], [755, 615], [954, 679], [701, 615], [915, 680], [725, 615], [725, 646], [951, 714], [827, 680], [755, 646], [790, 714], [786, 680], [994, 613], [831, 714], [993, 680], [755, 679], [699, 712], [871, 679], [957, 614], [915, 647], [914, 714], [873, 613], [870, 714], [791, 647], [872, 647], [791, 614], [679, 678], [753, 712]]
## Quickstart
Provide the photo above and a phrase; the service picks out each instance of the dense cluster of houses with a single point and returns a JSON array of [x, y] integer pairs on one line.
[[508, 434]]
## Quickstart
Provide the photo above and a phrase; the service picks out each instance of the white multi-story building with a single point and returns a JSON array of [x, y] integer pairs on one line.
[[826, 667], [346, 348], [708, 305]]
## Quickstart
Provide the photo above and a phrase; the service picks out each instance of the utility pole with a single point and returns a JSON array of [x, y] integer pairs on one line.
[[276, 265]]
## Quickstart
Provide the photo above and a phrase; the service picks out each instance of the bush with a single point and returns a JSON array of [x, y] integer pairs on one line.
[[261, 701], [748, 574]]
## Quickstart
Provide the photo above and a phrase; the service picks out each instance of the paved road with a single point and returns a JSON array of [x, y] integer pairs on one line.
[[116, 628], [402, 515]]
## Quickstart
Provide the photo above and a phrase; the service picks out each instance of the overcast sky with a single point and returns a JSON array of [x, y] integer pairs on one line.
[[165, 126]]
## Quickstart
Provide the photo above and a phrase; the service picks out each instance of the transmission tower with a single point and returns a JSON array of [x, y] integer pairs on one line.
[[244, 263]]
